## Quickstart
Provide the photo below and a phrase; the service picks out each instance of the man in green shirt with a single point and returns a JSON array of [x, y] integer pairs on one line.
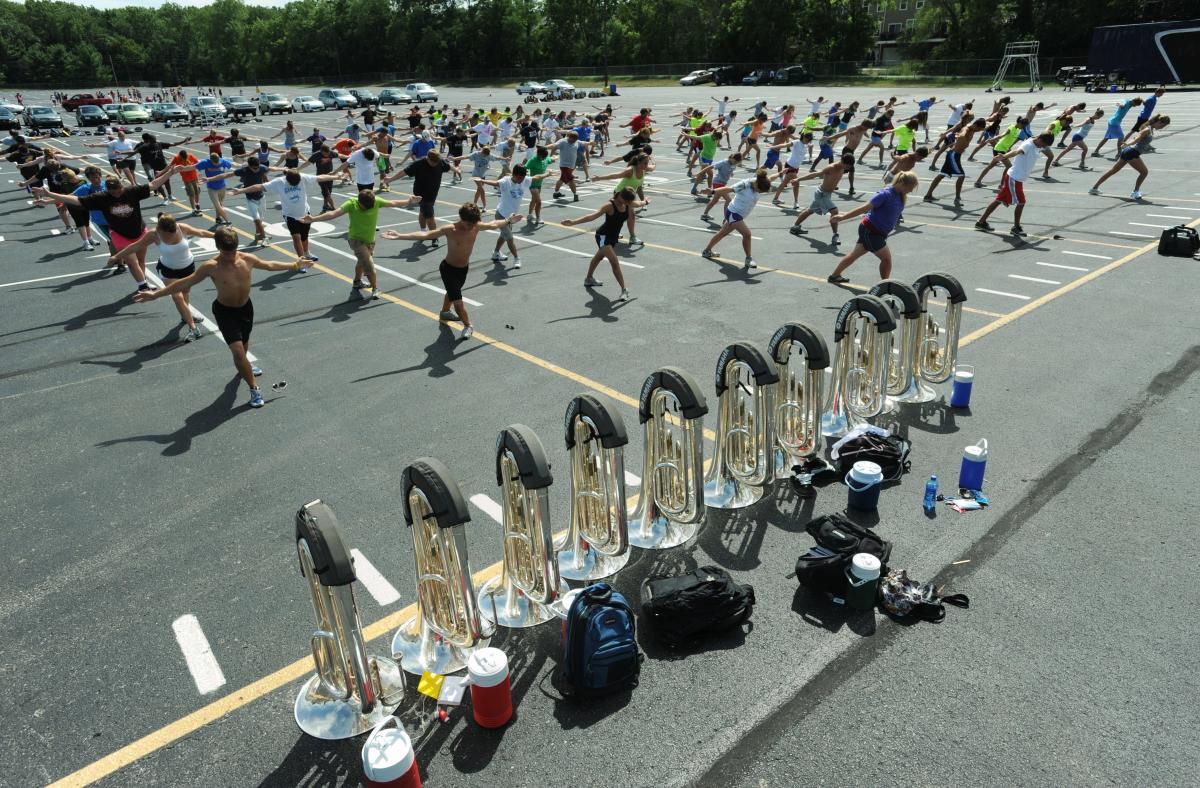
[[708, 148], [904, 136], [1003, 145], [364, 216], [536, 167]]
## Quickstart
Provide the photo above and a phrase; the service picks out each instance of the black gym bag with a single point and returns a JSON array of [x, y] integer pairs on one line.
[[1179, 241], [683, 608], [823, 568]]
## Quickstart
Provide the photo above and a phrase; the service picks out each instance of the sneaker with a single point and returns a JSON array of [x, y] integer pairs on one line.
[[193, 335], [1018, 230], [467, 332], [977, 184], [1056, 163], [624, 296], [590, 282], [448, 315], [929, 198], [705, 217], [708, 254], [835, 240], [982, 225], [633, 241], [796, 229], [120, 269], [256, 371], [695, 188], [357, 284], [1136, 195], [68, 231], [256, 398], [575, 198], [749, 264], [375, 294], [1093, 190], [433, 244], [498, 258], [836, 280], [558, 195], [198, 212], [516, 262], [89, 246], [166, 201], [144, 287], [851, 193]]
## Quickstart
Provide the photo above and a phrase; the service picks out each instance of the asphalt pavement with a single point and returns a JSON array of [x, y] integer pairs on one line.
[[150, 500]]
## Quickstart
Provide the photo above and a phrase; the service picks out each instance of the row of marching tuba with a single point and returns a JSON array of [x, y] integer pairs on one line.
[[774, 407]]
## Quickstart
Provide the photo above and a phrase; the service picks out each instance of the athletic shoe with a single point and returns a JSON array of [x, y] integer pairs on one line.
[[558, 195], [1061, 145], [120, 269], [516, 262], [256, 371], [447, 315], [977, 185], [633, 240], [166, 202], [1056, 164], [433, 243], [695, 188], [256, 398], [835, 240], [1093, 190], [1136, 195], [375, 294], [68, 231], [624, 296], [982, 225], [796, 229], [928, 198], [1018, 230], [575, 198], [144, 287], [467, 332], [708, 253], [836, 280], [590, 282], [851, 193], [193, 335], [749, 264], [932, 168], [705, 217], [498, 258], [357, 284], [198, 212]]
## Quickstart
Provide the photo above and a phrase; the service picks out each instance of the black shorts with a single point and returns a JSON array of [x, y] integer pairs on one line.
[[1137, 124], [1129, 154], [951, 165], [427, 208], [81, 216], [849, 167], [326, 189], [297, 227], [175, 273], [235, 322], [453, 279], [127, 164], [871, 240]]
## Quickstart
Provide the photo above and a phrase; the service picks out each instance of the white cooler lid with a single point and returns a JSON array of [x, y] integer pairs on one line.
[[387, 755]]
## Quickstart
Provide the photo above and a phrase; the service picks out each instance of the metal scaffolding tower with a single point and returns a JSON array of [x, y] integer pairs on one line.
[[1014, 52]]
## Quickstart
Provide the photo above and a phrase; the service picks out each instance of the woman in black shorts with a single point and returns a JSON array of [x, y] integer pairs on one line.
[[1131, 154], [615, 213]]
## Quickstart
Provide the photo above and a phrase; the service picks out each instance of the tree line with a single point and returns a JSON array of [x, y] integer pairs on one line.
[[57, 42]]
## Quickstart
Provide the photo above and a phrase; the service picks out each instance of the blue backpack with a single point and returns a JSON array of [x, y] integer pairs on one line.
[[600, 652]]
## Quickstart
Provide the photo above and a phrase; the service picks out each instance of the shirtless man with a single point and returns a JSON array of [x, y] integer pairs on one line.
[[460, 240], [905, 163], [232, 309], [952, 166], [853, 137], [822, 202]]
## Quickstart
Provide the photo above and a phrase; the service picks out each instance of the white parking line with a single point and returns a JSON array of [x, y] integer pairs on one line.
[[1130, 235], [1066, 267], [1001, 293], [1087, 254], [397, 274], [48, 278], [488, 507], [383, 592], [1166, 216], [198, 654], [1157, 226], [1034, 279]]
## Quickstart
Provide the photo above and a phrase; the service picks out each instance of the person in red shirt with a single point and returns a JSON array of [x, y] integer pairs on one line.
[[639, 121], [191, 178], [344, 147], [214, 140]]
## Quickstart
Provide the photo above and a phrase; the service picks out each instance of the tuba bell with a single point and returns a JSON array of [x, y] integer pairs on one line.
[[937, 343], [351, 692], [528, 582], [446, 628], [743, 460], [862, 338], [597, 544], [901, 375], [802, 358], [670, 505]]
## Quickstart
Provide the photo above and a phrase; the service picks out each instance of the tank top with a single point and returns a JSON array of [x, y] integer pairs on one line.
[[1143, 142], [613, 222], [633, 181], [289, 138], [174, 256]]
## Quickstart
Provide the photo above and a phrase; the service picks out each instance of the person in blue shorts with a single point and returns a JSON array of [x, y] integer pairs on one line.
[[882, 214], [1113, 132]]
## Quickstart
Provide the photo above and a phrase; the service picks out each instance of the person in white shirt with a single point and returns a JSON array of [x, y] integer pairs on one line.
[[363, 163], [513, 189], [791, 170], [118, 149], [1021, 160], [483, 132], [956, 112], [745, 197], [293, 191]]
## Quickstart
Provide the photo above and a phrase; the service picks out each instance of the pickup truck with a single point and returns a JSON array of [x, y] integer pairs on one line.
[[80, 99]]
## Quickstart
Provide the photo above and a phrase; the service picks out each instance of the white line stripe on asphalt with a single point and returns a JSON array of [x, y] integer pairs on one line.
[[1034, 279], [1130, 235], [383, 592], [48, 278], [398, 275], [1087, 254], [198, 654], [1166, 216], [1001, 293], [1156, 226], [488, 507], [1066, 267]]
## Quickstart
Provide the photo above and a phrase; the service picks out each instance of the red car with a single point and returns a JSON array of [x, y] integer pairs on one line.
[[81, 99]]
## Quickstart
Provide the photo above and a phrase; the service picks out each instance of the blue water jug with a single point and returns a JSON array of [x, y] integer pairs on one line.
[[974, 463], [960, 393]]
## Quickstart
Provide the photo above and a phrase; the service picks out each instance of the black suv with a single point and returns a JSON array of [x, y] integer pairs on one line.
[[791, 75], [727, 75]]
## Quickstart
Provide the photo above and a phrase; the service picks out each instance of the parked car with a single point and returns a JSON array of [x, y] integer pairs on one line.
[[365, 97], [167, 111], [758, 77], [111, 110], [394, 96], [1080, 74], [529, 87], [132, 113], [15, 109], [337, 98], [240, 107], [205, 109], [559, 85], [271, 103], [42, 118], [84, 99], [727, 75], [791, 75], [90, 115], [421, 91], [697, 77], [307, 104], [9, 120]]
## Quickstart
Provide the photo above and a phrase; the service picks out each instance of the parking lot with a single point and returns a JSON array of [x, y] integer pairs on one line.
[[150, 501]]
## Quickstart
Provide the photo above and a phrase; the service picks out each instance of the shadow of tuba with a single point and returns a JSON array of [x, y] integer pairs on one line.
[[802, 358], [743, 460], [670, 505], [528, 582], [862, 340], [901, 373], [597, 543], [351, 691], [446, 627], [937, 343]]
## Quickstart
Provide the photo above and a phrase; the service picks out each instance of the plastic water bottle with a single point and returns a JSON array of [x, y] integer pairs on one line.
[[931, 491]]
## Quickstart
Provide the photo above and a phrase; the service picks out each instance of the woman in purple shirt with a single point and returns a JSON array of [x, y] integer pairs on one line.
[[882, 213]]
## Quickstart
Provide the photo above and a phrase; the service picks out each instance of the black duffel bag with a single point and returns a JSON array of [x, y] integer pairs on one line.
[[1179, 241], [823, 568], [682, 609]]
